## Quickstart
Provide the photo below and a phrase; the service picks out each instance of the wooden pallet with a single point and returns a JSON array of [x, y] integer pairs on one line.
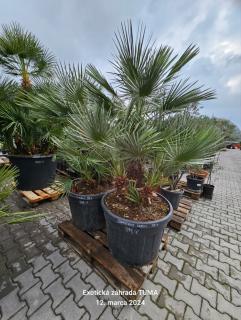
[[194, 195], [93, 247], [180, 215], [35, 197]]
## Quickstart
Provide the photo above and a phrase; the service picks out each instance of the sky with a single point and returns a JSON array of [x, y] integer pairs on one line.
[[79, 31]]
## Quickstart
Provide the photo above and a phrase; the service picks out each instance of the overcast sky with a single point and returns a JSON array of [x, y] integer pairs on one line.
[[82, 31]]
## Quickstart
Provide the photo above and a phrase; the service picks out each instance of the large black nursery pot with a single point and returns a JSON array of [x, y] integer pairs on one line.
[[173, 196], [195, 183], [134, 243], [35, 172], [208, 191], [86, 210]]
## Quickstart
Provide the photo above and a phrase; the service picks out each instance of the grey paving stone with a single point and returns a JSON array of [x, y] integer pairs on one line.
[[166, 282], [219, 265], [26, 280], [83, 268], [57, 292], [190, 315], [77, 285], [222, 288], [38, 263], [34, 298], [69, 309], [47, 276], [66, 271], [90, 303], [45, 312], [107, 314], [164, 266], [96, 281], [175, 274], [180, 245], [198, 274], [174, 306], [225, 306], [208, 294], [11, 304], [232, 282], [128, 313], [213, 271], [56, 258], [21, 314], [236, 297], [193, 300], [175, 261]]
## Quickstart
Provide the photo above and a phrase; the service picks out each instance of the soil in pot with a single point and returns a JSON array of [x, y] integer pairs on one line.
[[134, 233], [174, 196], [85, 205], [208, 191], [195, 183], [35, 172]]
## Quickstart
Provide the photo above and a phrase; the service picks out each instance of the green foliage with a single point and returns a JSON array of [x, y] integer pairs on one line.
[[22, 55], [133, 193]]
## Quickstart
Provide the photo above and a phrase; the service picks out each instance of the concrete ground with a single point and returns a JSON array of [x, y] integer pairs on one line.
[[198, 277]]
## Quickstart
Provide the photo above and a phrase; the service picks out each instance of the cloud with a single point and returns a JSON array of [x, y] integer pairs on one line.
[[234, 84]]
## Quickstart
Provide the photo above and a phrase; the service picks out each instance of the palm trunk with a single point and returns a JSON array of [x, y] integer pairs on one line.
[[135, 171]]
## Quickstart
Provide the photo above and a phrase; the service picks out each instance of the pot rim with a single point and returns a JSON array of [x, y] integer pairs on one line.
[[134, 222], [92, 195], [196, 178], [181, 192], [34, 156]]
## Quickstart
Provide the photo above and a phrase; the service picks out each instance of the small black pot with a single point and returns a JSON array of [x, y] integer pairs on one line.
[[134, 243], [86, 210], [208, 166], [173, 196], [208, 191], [35, 172], [195, 184]]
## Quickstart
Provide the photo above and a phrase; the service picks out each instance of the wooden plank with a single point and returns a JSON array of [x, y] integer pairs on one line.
[[31, 196], [184, 206], [179, 214], [182, 210], [186, 201], [100, 236], [53, 193], [100, 254], [42, 194]]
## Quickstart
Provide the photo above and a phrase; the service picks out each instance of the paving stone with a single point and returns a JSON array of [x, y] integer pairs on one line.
[[96, 281], [213, 271], [220, 265], [219, 248], [234, 283], [107, 314], [69, 309], [11, 304], [21, 314], [166, 301], [45, 313], [224, 259], [128, 313], [57, 292], [175, 274], [72, 256], [165, 267], [197, 253], [66, 271], [38, 263], [225, 306], [193, 300], [47, 276], [222, 288], [78, 285], [205, 293], [90, 303], [209, 313], [186, 257], [180, 245], [150, 308], [26, 280], [189, 270], [177, 262], [165, 281], [116, 309], [226, 244], [56, 258], [34, 298], [190, 315], [235, 255], [236, 297], [83, 268]]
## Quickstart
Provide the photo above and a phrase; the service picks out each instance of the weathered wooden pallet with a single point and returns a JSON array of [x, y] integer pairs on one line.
[[180, 215], [93, 247], [35, 197], [194, 195]]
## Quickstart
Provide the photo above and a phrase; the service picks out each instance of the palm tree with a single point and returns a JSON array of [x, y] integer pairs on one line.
[[23, 56]]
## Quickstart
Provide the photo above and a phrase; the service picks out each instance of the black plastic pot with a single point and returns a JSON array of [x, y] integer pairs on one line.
[[208, 166], [195, 184], [173, 196], [35, 172], [86, 210], [208, 191], [134, 243]]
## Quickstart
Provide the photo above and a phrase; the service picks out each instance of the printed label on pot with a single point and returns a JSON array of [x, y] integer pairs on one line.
[[39, 161], [199, 185]]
